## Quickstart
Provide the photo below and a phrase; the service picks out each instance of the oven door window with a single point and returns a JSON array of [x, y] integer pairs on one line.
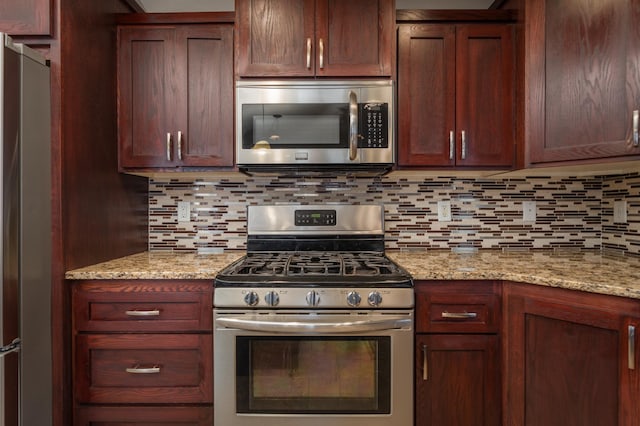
[[280, 126], [313, 375]]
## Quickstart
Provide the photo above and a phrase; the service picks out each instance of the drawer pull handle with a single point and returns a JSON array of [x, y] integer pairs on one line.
[[143, 370], [631, 351], [636, 128], [152, 313], [460, 315], [425, 363]]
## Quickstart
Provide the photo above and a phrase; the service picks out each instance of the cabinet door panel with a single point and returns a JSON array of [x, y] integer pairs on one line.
[[146, 91], [205, 109], [461, 385], [485, 95], [26, 17], [583, 79], [426, 90], [272, 37], [351, 44], [571, 373]]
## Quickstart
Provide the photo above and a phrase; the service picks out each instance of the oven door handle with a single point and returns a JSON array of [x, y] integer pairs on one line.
[[315, 327]]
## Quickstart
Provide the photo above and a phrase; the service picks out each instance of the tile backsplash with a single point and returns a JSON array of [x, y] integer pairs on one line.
[[486, 213]]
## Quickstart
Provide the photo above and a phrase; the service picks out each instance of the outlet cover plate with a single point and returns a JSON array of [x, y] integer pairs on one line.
[[444, 211], [529, 211], [620, 211], [184, 211]]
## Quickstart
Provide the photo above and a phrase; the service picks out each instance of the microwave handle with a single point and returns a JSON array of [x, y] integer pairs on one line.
[[353, 125]]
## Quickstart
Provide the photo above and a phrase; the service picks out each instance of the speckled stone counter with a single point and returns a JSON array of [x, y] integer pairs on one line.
[[586, 271], [157, 265], [591, 272]]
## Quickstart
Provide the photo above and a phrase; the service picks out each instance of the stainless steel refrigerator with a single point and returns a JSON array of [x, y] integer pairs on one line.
[[25, 250]]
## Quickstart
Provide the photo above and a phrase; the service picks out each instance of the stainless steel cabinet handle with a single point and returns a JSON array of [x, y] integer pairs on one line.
[[168, 146], [463, 154], [151, 313], [631, 355], [308, 53], [14, 346], [353, 125], [143, 370], [636, 127], [425, 363], [321, 52], [452, 144], [179, 145], [459, 315]]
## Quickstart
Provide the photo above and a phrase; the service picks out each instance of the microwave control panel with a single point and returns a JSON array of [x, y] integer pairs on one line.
[[374, 126]]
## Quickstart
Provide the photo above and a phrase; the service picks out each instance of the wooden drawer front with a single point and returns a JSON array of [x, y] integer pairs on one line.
[[145, 307], [454, 313], [144, 368], [128, 416]]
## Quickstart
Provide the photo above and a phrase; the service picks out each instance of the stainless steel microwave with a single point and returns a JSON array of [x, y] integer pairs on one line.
[[314, 125]]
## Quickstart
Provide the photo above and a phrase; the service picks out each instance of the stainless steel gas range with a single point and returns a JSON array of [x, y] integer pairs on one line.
[[314, 326]]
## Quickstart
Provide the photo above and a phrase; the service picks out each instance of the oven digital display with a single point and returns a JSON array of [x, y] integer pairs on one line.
[[315, 218]]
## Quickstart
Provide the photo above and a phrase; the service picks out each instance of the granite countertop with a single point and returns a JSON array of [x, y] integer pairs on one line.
[[586, 271], [157, 265]]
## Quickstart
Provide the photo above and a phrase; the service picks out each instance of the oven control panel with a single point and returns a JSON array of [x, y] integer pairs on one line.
[[315, 218]]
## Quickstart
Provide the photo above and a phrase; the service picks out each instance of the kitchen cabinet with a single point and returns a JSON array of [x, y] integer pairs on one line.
[[571, 359], [175, 92], [582, 80], [458, 353], [141, 343], [307, 38], [456, 95], [26, 17]]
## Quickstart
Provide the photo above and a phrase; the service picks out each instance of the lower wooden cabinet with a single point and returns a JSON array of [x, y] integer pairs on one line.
[[142, 352], [571, 358], [458, 381], [148, 416]]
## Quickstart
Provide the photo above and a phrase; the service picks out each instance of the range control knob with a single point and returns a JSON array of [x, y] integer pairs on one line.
[[313, 298], [251, 298], [375, 298], [353, 299], [272, 298]]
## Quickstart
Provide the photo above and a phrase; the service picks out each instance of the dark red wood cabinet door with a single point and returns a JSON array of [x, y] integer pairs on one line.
[[457, 380], [354, 38], [147, 416], [204, 107], [485, 96], [146, 91], [275, 38], [26, 17], [583, 79], [426, 95]]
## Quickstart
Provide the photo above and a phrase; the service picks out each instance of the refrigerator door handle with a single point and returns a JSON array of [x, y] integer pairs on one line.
[[11, 347]]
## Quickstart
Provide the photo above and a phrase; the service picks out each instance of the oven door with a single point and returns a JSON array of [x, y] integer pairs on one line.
[[293, 368]]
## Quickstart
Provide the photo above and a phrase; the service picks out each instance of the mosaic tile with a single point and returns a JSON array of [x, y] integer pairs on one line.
[[572, 212]]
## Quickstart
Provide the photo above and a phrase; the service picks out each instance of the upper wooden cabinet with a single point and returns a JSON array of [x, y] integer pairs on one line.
[[456, 95], [306, 38], [175, 91], [26, 17], [583, 79]]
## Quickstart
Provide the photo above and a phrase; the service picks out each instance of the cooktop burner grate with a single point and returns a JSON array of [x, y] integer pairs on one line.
[[313, 263]]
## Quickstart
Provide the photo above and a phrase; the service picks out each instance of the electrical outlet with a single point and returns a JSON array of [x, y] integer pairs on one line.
[[184, 211], [444, 211], [620, 211], [528, 211]]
